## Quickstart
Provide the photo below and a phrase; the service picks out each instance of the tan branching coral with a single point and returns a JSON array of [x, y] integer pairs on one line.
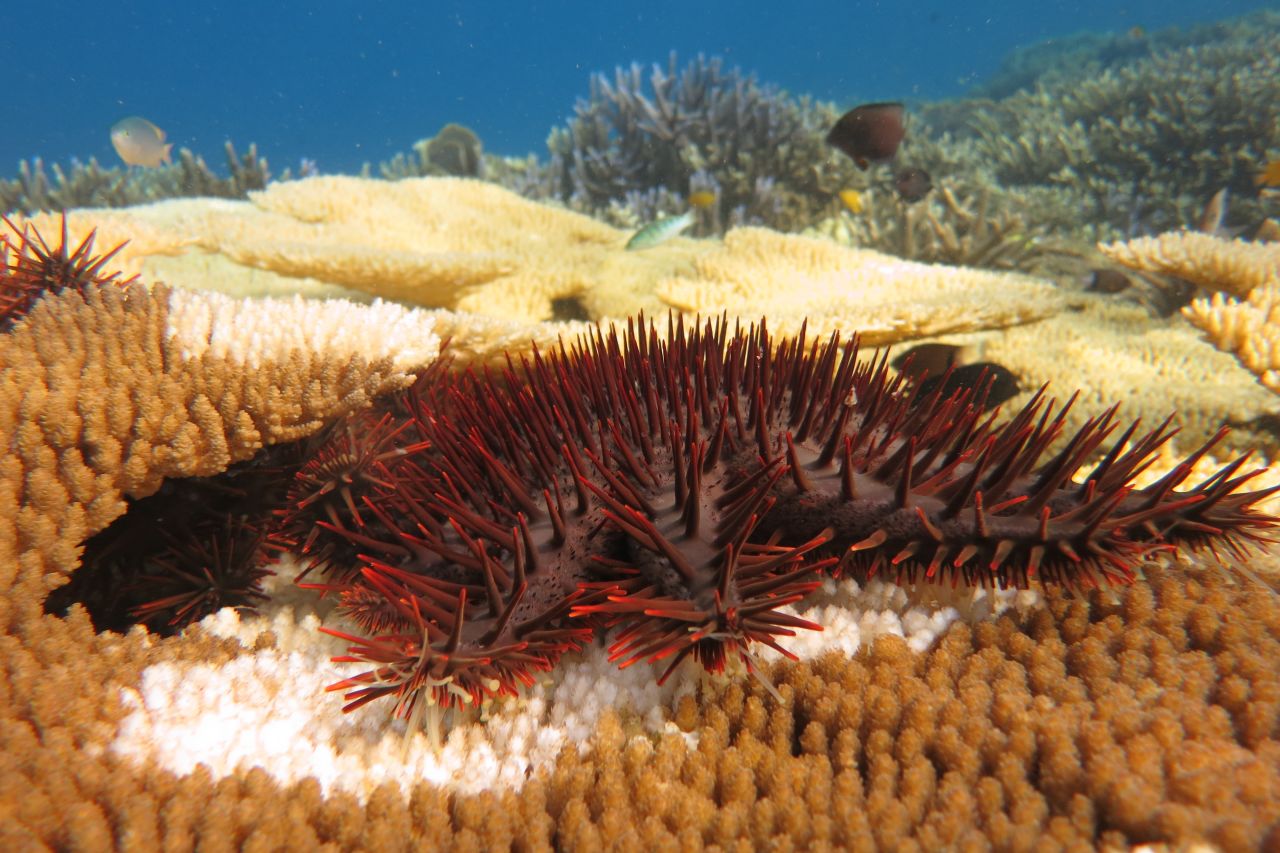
[[101, 398], [1249, 329], [973, 229], [1233, 266], [789, 278], [104, 398]]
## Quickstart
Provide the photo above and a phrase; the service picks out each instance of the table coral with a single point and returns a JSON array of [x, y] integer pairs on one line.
[[474, 247], [1233, 266], [792, 278]]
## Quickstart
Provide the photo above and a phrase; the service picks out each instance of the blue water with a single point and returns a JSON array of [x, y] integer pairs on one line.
[[348, 82]]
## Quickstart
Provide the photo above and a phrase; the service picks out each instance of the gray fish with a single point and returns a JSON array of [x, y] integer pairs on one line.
[[139, 142], [660, 231]]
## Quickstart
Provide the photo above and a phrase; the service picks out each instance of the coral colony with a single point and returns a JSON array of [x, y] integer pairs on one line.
[[676, 493], [672, 491]]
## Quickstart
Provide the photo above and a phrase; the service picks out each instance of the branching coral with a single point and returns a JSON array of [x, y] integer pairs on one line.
[[760, 151], [1249, 329], [1233, 266], [945, 229], [1145, 145], [90, 185]]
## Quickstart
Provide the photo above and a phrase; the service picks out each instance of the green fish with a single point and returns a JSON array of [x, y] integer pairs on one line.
[[660, 231]]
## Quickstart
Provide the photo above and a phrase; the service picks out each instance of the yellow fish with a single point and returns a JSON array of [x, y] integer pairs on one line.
[[702, 198], [852, 199], [139, 142], [1269, 177]]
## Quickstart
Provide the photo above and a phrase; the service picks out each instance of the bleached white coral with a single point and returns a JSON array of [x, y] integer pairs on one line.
[[266, 708]]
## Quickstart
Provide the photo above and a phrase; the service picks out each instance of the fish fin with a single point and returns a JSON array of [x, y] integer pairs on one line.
[[166, 157]]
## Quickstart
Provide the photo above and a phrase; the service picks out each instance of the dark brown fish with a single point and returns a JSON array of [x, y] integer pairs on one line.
[[1107, 281], [870, 133], [925, 360], [999, 381], [912, 184]]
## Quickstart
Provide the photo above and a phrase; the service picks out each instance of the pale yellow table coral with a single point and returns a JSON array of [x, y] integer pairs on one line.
[[474, 247], [1234, 266], [788, 279]]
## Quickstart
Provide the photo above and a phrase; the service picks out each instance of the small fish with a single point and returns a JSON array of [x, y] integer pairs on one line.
[[1107, 281], [870, 133], [660, 231], [702, 198], [1137, 33], [1269, 177], [852, 200], [1214, 212], [933, 359], [912, 184], [999, 382], [139, 142]]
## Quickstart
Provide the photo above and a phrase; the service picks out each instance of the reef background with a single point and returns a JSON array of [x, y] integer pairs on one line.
[[343, 86]]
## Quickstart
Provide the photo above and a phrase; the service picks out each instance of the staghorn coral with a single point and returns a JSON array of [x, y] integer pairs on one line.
[[93, 186], [945, 229], [1235, 267], [1247, 328], [1145, 145], [759, 150]]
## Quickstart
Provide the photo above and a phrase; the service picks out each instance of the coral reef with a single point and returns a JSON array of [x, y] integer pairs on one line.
[[1247, 328], [1080, 678], [1233, 266], [1117, 351], [90, 185], [455, 151], [1143, 146], [701, 126], [474, 247], [946, 229], [1144, 719], [792, 278], [108, 393]]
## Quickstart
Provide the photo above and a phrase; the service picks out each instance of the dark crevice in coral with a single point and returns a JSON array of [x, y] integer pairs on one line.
[[569, 308], [174, 557]]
